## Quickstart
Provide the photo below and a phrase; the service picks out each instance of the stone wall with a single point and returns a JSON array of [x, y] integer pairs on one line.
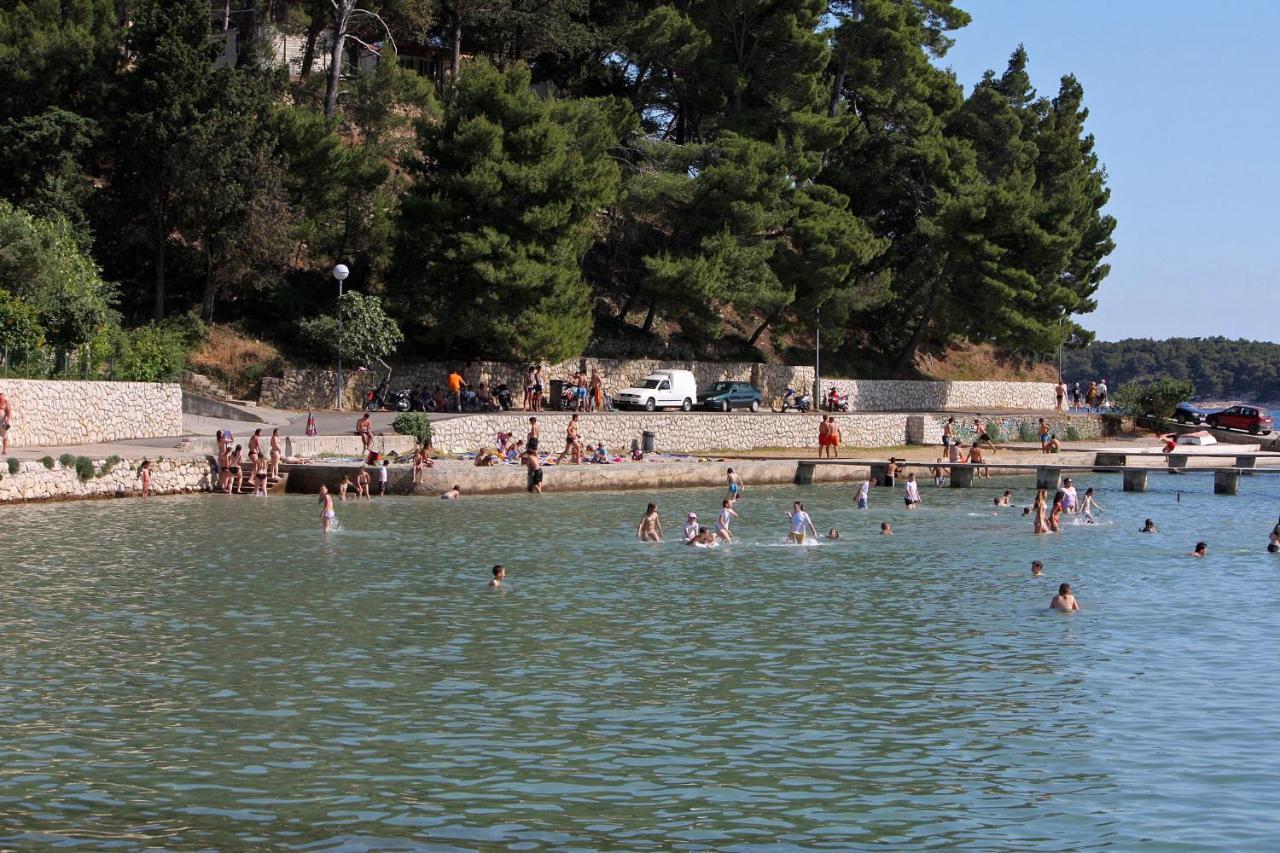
[[60, 413], [316, 389], [680, 432], [34, 481]]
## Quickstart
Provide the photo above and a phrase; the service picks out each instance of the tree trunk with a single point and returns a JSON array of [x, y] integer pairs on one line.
[[908, 354], [455, 65], [159, 239], [343, 14], [755, 336], [625, 308], [837, 85], [210, 289], [648, 318], [309, 49], [226, 16]]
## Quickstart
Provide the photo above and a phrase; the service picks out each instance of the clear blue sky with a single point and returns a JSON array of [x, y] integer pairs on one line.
[[1182, 101]]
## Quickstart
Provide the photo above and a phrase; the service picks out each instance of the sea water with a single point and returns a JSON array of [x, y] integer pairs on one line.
[[213, 671]]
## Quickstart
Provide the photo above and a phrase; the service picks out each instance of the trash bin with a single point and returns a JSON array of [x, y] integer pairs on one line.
[[557, 388], [650, 442]]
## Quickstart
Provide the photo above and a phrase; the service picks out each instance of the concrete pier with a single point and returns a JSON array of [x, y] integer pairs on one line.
[[1135, 480], [1226, 482], [1048, 478], [1106, 461], [1178, 461], [804, 473], [961, 478]]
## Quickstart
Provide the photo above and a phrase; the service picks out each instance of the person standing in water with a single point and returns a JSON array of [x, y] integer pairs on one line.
[[650, 527], [1040, 523], [722, 523], [801, 524], [276, 453], [1090, 505], [327, 515], [1065, 600], [362, 484], [144, 471], [735, 485], [534, 479], [911, 492], [864, 492], [1037, 568]]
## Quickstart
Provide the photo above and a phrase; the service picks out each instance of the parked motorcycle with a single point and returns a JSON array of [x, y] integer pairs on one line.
[[398, 401], [792, 401], [836, 402], [503, 394]]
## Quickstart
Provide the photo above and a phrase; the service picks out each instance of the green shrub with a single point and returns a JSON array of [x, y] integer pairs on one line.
[[994, 432], [1073, 434], [47, 461], [66, 460], [14, 465], [84, 468], [1027, 433], [417, 425], [155, 352], [108, 466]]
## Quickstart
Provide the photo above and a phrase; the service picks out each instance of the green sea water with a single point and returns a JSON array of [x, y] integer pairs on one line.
[[214, 672]]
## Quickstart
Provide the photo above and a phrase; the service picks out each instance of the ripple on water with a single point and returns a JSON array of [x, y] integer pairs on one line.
[[241, 680]]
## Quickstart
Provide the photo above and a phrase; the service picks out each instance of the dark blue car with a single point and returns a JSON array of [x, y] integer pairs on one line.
[[724, 396]]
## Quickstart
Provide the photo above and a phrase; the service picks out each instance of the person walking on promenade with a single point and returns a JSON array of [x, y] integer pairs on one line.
[[1060, 392], [364, 429], [948, 435], [6, 421], [455, 383], [824, 433]]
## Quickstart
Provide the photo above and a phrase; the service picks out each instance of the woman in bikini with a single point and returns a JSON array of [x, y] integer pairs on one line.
[[276, 453], [234, 465]]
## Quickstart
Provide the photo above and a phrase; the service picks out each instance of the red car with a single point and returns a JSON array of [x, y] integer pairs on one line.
[[1249, 418]]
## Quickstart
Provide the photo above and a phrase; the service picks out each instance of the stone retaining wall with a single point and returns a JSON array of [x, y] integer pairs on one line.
[[681, 432], [316, 389], [59, 413], [34, 481]]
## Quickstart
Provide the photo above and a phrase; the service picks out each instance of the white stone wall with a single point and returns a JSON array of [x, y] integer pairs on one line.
[[59, 413], [680, 432], [303, 389], [34, 481]]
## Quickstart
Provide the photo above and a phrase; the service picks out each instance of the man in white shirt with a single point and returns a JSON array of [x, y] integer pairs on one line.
[[911, 494], [691, 527]]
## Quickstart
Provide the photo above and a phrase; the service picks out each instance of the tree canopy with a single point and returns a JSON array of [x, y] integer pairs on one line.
[[732, 172]]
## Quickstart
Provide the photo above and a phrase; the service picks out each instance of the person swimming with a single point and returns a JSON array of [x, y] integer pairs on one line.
[[704, 539], [886, 529], [499, 573], [1037, 568], [833, 534], [801, 524], [1065, 600], [453, 494], [650, 527], [1201, 550], [1149, 526], [1007, 498]]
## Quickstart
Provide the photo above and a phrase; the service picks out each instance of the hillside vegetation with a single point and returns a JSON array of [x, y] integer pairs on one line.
[[1220, 368]]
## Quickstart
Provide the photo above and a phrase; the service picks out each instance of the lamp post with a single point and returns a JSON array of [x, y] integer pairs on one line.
[[817, 359], [340, 272]]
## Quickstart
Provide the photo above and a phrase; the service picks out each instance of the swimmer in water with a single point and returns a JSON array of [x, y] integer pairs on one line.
[[735, 484], [453, 494], [722, 523], [691, 528], [1090, 506], [886, 529], [864, 492], [911, 492], [650, 527], [1037, 568], [1007, 498], [801, 524], [833, 534], [498, 574], [1149, 527], [1065, 600], [704, 539], [327, 514], [1274, 538], [1201, 550]]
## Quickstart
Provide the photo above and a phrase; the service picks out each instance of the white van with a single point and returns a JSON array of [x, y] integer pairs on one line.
[[660, 389]]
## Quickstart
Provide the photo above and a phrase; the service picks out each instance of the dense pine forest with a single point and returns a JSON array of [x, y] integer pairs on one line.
[[1220, 369], [524, 180]]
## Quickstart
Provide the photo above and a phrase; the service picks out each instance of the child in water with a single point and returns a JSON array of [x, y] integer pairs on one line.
[[499, 573], [704, 539], [327, 515], [1090, 506], [727, 514], [650, 527], [1037, 568], [1065, 600]]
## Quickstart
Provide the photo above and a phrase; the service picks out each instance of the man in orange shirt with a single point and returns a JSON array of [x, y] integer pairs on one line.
[[455, 384]]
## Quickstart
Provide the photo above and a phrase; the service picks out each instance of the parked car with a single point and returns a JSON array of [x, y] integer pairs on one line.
[[1253, 419], [662, 389], [1186, 413], [723, 396]]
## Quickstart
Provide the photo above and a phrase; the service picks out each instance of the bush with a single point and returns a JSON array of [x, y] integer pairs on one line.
[[155, 352], [368, 332], [416, 425], [84, 468], [1155, 399], [1073, 434], [234, 361], [994, 432], [1027, 433], [108, 466], [14, 465], [66, 460], [47, 461]]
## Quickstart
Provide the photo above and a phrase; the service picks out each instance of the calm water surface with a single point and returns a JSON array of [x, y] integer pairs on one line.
[[213, 672]]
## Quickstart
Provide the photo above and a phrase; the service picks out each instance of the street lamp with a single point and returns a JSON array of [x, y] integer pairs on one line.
[[340, 272]]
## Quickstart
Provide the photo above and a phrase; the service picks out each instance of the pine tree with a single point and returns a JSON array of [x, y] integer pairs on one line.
[[503, 210]]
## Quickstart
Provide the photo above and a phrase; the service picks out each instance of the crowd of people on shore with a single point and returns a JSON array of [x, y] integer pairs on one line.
[[261, 466], [1094, 397]]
